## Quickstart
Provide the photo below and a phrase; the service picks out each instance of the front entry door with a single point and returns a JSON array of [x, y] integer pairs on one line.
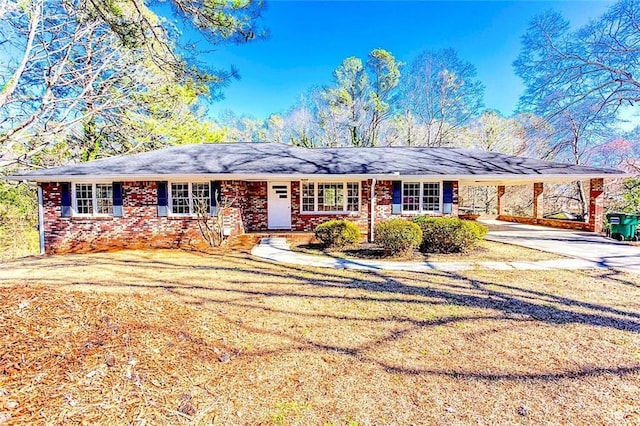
[[279, 205]]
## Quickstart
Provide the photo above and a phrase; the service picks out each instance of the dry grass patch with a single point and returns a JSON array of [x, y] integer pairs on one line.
[[174, 337]]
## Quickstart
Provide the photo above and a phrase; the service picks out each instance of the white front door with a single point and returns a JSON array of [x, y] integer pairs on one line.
[[279, 205]]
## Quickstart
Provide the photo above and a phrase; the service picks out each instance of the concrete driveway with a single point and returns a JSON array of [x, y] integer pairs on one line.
[[577, 244]]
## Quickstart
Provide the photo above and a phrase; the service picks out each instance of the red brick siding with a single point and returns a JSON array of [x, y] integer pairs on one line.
[[244, 210], [140, 226], [596, 204], [384, 200], [232, 200], [501, 198], [255, 211], [538, 200]]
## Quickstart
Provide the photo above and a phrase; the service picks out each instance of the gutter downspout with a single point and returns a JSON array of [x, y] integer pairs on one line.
[[372, 212], [41, 220]]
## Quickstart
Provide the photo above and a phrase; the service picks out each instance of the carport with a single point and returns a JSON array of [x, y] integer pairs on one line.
[[595, 199]]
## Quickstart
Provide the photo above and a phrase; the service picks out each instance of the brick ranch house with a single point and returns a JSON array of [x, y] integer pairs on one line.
[[148, 200]]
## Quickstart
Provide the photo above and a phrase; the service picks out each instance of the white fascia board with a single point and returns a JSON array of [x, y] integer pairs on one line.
[[526, 179], [196, 177], [465, 179]]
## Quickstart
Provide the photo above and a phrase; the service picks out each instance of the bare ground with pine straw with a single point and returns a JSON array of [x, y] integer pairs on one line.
[[485, 251], [173, 337]]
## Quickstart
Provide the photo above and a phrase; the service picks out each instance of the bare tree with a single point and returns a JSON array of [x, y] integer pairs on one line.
[[598, 63], [439, 93], [210, 219], [90, 74]]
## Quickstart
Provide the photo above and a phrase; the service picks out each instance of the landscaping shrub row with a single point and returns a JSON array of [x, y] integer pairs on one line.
[[399, 236]]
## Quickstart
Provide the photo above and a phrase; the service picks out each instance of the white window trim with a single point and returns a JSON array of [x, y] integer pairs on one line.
[[344, 202], [170, 198], [421, 209], [94, 197]]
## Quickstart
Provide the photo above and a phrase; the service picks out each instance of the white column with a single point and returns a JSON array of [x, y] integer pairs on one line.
[[41, 220]]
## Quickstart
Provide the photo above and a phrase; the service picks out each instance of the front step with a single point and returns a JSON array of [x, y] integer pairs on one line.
[[251, 239], [276, 242]]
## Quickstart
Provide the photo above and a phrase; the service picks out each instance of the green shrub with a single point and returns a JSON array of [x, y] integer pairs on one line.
[[397, 236], [449, 234], [338, 233]]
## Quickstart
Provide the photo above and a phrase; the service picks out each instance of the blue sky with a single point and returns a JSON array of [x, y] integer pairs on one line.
[[309, 39]]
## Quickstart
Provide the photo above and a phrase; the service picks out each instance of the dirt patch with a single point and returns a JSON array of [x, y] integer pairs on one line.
[[171, 337]]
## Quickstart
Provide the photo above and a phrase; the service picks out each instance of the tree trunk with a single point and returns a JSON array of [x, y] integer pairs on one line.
[[582, 197]]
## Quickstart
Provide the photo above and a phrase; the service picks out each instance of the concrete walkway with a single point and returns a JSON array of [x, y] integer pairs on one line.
[[278, 250], [586, 246]]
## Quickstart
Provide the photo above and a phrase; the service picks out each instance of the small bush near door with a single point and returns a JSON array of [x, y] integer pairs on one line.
[[449, 234], [338, 233], [397, 236]]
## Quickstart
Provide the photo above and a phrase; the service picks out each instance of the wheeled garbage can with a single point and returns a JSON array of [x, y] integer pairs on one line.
[[622, 226]]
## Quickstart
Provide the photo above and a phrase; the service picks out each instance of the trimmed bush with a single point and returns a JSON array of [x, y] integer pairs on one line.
[[449, 234], [338, 233], [397, 236]]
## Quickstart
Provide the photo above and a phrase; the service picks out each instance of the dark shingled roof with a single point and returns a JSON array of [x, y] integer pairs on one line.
[[279, 159]]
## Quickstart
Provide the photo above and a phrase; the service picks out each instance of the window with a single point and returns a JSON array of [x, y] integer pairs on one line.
[[353, 196], [421, 196], [104, 199], [91, 199], [431, 196], [308, 197], [190, 198], [201, 199], [180, 198], [411, 197], [330, 196], [84, 198]]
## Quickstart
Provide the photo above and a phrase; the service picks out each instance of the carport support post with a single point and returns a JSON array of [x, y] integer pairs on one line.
[[538, 200], [501, 198], [596, 204]]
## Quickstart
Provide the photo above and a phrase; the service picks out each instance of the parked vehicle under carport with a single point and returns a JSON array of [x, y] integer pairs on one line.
[[564, 215]]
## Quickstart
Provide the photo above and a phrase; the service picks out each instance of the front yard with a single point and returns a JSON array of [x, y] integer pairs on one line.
[[137, 337]]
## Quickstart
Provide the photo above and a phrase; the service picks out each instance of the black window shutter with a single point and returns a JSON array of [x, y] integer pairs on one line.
[[65, 193], [117, 199], [163, 199], [396, 197]]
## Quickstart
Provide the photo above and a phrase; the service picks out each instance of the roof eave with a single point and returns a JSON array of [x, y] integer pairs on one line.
[[488, 179]]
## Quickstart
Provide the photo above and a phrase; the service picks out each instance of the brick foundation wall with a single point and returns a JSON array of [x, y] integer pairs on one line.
[[552, 223]]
